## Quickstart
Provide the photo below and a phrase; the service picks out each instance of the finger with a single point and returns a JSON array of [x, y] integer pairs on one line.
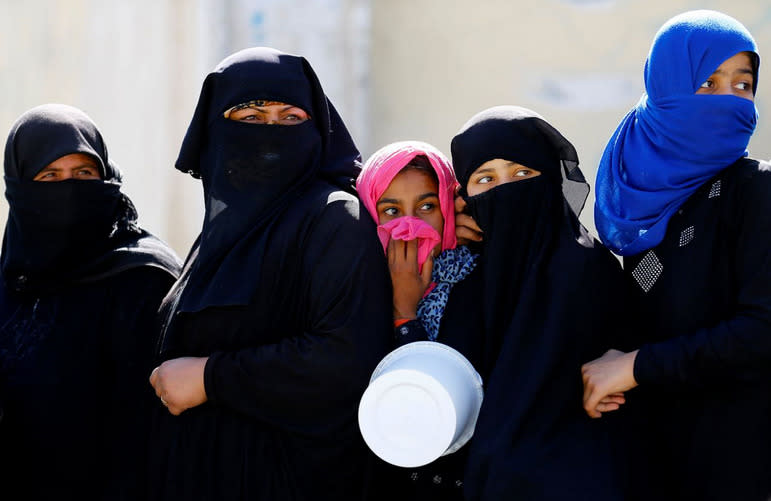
[[460, 204], [467, 221], [607, 407], [613, 400], [396, 254], [591, 402], [428, 266], [593, 413], [462, 233], [401, 250], [411, 253], [391, 252], [471, 223], [154, 375], [588, 387], [616, 397], [591, 398]]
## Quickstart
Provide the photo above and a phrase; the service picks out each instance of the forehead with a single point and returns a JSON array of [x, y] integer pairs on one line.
[[742, 60], [412, 180], [73, 160], [498, 163]]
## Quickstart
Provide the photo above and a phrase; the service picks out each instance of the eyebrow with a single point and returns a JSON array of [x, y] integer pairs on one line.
[[396, 201], [285, 108], [745, 70]]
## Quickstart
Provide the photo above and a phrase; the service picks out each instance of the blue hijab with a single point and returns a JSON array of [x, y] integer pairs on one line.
[[673, 140]]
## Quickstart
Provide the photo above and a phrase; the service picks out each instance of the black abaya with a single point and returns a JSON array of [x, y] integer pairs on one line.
[[286, 292]]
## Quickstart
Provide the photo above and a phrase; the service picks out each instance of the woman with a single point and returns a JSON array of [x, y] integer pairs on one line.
[[678, 198], [550, 299], [408, 187], [282, 310], [81, 285]]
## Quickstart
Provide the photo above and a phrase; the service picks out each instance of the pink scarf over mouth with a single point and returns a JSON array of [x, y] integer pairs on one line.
[[410, 228], [375, 178]]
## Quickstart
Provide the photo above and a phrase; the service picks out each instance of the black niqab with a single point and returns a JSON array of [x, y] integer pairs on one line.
[[252, 172], [72, 231], [547, 287]]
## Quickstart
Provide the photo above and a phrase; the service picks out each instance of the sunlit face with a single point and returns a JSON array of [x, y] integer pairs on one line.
[[267, 113], [414, 193], [496, 172], [734, 77], [72, 166]]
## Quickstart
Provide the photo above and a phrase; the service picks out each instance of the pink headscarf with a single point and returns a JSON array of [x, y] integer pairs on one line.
[[376, 176]]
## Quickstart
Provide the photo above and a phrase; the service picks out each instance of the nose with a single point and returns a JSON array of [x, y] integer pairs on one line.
[[272, 118]]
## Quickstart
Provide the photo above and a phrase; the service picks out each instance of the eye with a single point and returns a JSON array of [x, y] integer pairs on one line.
[[87, 172], [428, 206], [484, 180], [707, 85], [744, 86], [294, 117], [523, 173], [391, 211]]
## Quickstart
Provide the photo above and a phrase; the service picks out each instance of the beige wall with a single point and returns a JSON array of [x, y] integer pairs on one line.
[[579, 63], [396, 69], [131, 67]]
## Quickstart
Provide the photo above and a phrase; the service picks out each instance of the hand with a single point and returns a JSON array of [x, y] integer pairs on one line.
[[466, 229], [605, 380], [179, 383], [409, 285]]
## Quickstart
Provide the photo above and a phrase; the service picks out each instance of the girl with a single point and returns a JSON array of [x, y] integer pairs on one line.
[[408, 188], [678, 198], [550, 297]]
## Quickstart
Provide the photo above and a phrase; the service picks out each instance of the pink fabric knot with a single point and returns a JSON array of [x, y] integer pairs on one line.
[[410, 228]]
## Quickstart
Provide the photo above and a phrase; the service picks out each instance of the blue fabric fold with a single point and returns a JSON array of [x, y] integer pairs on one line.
[[673, 140], [450, 267]]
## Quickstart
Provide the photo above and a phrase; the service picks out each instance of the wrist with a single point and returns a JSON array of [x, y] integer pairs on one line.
[[398, 322], [408, 313], [630, 358]]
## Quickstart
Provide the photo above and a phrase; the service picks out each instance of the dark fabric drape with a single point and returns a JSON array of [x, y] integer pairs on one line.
[[286, 291], [80, 288], [705, 309], [252, 173], [72, 231], [551, 298]]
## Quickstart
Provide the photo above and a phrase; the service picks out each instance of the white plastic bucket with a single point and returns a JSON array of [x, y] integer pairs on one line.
[[422, 402]]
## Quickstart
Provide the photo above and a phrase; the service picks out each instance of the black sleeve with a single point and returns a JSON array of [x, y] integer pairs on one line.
[[135, 297], [409, 332], [738, 348], [316, 379]]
